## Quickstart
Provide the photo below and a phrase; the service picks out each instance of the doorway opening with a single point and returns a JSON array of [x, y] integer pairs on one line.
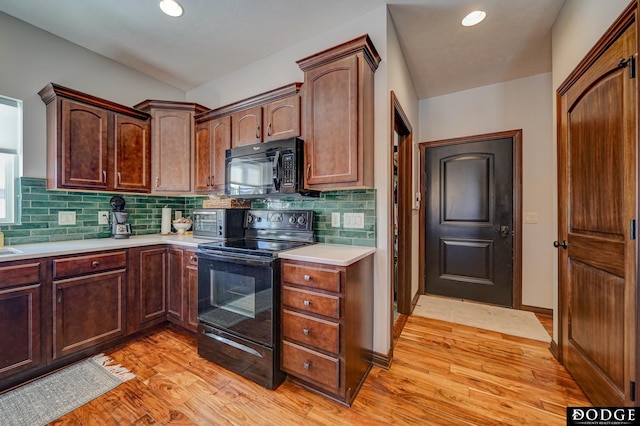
[[401, 230], [470, 220]]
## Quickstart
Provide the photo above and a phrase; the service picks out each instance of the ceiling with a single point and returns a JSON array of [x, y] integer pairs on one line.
[[215, 37]]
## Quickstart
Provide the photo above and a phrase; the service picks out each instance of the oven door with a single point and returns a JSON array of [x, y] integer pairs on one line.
[[236, 293]]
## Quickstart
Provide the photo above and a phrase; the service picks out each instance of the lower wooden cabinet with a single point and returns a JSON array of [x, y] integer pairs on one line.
[[175, 285], [327, 326], [191, 272], [147, 287], [89, 301], [20, 306]]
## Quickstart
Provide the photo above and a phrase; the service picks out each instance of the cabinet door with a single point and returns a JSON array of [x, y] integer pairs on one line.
[[88, 310], [171, 151], [83, 146], [331, 139], [247, 127], [152, 283], [132, 155], [175, 293], [220, 141], [192, 298], [20, 331], [281, 119], [202, 157]]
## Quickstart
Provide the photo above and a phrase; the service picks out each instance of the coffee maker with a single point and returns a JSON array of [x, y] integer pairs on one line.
[[119, 226]]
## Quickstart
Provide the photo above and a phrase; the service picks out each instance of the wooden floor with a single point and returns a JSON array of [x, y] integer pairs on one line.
[[442, 374]]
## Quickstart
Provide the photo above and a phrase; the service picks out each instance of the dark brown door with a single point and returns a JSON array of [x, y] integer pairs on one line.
[[469, 219], [596, 206]]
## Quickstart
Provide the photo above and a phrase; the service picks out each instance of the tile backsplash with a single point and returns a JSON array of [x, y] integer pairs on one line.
[[40, 207]]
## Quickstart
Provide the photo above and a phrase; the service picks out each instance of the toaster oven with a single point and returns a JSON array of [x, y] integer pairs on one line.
[[218, 223]]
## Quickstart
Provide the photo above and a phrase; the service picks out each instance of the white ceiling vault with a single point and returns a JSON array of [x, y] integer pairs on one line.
[[215, 37]]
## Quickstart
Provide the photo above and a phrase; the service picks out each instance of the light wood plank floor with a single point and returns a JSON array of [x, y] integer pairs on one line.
[[442, 374]]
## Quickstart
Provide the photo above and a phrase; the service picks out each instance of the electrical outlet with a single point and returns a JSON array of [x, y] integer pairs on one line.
[[335, 219], [66, 218], [103, 217]]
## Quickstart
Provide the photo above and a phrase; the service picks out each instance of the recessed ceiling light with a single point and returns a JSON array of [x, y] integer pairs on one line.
[[171, 8], [474, 18]]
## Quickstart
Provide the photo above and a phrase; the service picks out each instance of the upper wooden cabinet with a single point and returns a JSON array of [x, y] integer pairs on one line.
[[339, 116], [94, 143], [172, 144], [213, 138], [278, 119]]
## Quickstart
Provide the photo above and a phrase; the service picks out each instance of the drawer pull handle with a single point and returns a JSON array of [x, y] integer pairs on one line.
[[307, 278], [59, 295], [306, 331], [95, 263], [307, 303], [307, 365], [193, 258]]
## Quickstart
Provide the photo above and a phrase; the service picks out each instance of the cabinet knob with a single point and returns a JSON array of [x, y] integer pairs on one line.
[[269, 130], [307, 365], [307, 303], [308, 170], [59, 294], [257, 132], [95, 263], [193, 258], [120, 178], [104, 176], [306, 331], [307, 278]]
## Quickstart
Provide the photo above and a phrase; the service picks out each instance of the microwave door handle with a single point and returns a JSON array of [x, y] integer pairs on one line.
[[276, 171]]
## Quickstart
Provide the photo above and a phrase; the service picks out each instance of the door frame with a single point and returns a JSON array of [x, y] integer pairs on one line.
[[400, 121], [516, 137]]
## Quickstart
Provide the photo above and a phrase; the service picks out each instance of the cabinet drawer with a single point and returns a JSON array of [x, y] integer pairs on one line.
[[322, 304], [19, 274], [324, 335], [88, 264], [310, 365], [320, 278]]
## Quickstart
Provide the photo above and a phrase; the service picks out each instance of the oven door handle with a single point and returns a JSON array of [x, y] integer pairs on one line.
[[236, 345], [236, 259]]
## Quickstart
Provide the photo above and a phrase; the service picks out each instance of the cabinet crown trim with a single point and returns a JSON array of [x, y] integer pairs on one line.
[[51, 90], [261, 99], [149, 104], [360, 44]]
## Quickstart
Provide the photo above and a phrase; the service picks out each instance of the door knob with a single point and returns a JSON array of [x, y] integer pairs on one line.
[[562, 244], [504, 231]]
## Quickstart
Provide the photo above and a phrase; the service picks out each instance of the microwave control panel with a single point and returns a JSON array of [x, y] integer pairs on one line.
[[288, 170]]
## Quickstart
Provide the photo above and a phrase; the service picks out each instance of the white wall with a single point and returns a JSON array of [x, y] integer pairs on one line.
[[517, 104], [577, 28], [31, 58]]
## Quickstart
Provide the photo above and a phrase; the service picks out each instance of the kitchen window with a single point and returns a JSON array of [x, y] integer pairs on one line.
[[10, 158]]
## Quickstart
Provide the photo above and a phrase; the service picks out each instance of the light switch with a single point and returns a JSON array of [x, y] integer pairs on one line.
[[66, 218], [530, 217]]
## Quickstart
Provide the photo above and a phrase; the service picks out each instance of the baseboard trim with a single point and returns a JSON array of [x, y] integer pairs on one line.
[[382, 360], [537, 310], [553, 348]]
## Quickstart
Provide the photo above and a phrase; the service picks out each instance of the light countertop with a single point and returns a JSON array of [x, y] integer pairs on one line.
[[330, 254], [30, 251]]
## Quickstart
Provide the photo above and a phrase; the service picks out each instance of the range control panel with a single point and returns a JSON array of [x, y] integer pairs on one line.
[[297, 220]]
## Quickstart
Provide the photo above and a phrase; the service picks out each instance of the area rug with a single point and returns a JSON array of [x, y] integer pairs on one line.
[[46, 399], [502, 320]]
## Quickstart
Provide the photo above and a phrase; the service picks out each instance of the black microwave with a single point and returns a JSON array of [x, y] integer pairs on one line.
[[268, 169]]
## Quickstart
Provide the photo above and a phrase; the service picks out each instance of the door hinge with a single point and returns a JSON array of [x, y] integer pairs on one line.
[[633, 229], [632, 391], [629, 62]]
